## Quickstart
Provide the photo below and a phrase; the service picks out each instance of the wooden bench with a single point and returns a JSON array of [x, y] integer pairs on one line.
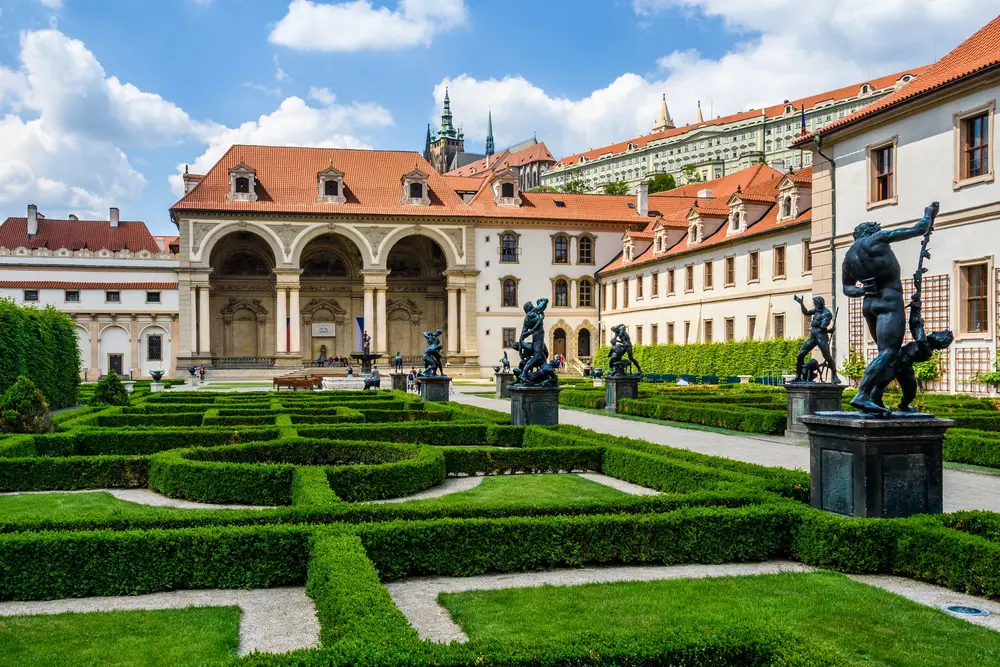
[[295, 383]]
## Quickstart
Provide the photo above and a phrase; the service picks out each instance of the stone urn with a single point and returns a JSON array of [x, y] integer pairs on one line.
[[156, 375]]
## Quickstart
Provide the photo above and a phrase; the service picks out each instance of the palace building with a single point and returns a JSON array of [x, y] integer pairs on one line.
[[115, 280], [287, 254]]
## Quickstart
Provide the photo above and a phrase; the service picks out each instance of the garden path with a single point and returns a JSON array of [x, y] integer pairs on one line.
[[963, 490]]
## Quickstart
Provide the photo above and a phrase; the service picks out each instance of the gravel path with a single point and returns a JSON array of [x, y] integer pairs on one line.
[[272, 620], [448, 486], [146, 497], [620, 485], [963, 490], [934, 596]]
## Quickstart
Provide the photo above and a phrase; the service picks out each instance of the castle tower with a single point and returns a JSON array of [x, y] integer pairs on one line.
[[444, 150], [663, 121], [489, 134]]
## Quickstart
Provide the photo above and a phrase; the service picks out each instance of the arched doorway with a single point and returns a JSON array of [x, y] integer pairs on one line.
[[416, 294], [332, 296], [559, 342], [583, 343], [242, 302]]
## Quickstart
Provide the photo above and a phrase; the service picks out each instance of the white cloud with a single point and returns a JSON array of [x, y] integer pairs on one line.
[[322, 95], [358, 25], [54, 5], [782, 49]]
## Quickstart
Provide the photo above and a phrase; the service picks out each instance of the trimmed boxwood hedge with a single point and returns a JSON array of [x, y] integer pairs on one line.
[[69, 473], [507, 461], [139, 441], [583, 398], [740, 418]]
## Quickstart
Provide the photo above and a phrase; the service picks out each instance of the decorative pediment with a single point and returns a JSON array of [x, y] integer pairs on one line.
[[505, 190], [236, 304], [324, 304], [416, 192], [407, 305], [242, 183], [330, 186]]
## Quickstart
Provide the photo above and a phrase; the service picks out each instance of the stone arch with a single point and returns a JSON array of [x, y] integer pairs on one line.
[[451, 253], [219, 232], [559, 325], [114, 339], [322, 344], [591, 329], [144, 363], [405, 319], [314, 232], [83, 342], [243, 321]]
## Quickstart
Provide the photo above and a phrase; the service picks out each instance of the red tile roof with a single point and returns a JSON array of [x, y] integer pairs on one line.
[[976, 54], [465, 183], [534, 153], [67, 284], [774, 111], [77, 235]]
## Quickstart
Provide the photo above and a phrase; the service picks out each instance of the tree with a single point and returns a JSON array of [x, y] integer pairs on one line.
[[23, 409], [616, 188], [543, 188], [110, 391], [691, 174], [575, 187], [662, 183]]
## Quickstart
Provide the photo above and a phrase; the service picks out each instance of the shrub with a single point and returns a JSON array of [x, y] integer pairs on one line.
[[42, 345], [737, 418], [974, 447], [582, 398], [23, 409], [73, 472], [752, 357], [497, 461], [110, 391]]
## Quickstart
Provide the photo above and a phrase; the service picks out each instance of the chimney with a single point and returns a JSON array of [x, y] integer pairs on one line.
[[642, 194], [705, 193], [114, 217], [32, 219], [72, 216]]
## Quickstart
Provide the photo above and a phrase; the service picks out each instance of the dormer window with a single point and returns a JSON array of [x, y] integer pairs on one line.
[[415, 190], [694, 233], [242, 183], [789, 108], [505, 189], [786, 208], [659, 244], [866, 89], [330, 189]]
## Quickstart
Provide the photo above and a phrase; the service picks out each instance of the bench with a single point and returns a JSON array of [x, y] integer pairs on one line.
[[295, 383]]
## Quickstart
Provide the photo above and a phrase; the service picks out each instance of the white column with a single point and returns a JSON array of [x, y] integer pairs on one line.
[[194, 320], [294, 316], [463, 324], [573, 299], [280, 335], [452, 320], [382, 324], [204, 318], [369, 309]]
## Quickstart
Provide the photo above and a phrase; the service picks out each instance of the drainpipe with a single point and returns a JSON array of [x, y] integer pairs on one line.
[[818, 140]]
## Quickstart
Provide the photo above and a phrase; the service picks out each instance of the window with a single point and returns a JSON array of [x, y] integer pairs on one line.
[[508, 248], [113, 297], [614, 295], [751, 326], [779, 326], [708, 331], [659, 244], [975, 146], [331, 188], [670, 333], [31, 295], [654, 284], [779, 261], [509, 336], [882, 178], [753, 266], [509, 293], [670, 281], [152, 297], [561, 250], [730, 329], [416, 191], [786, 208], [507, 190], [976, 298], [688, 278], [709, 275], [687, 332], [639, 286], [154, 348], [654, 334], [72, 296], [242, 185], [585, 298], [638, 334], [730, 271], [562, 293], [625, 292], [585, 250], [807, 257]]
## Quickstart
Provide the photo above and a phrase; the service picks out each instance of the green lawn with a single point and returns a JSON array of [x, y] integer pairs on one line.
[[190, 636], [539, 490], [858, 624], [21, 507]]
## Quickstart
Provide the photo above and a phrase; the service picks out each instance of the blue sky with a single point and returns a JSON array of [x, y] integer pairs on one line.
[[103, 101]]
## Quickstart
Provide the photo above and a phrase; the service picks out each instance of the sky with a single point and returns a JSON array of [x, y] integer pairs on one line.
[[104, 102]]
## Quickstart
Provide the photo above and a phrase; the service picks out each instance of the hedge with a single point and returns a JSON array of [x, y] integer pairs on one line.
[[70, 473], [980, 448], [140, 441], [505, 461], [41, 344], [581, 398], [416, 433], [751, 420], [752, 357]]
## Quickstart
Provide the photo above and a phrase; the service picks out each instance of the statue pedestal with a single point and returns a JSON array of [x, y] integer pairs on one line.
[[619, 387], [534, 406], [434, 389], [808, 398], [874, 466], [598, 382], [155, 387], [398, 381], [503, 380]]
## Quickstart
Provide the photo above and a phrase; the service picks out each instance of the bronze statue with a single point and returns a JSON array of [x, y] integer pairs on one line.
[[505, 362], [820, 330], [621, 352], [871, 262], [398, 361], [534, 370], [366, 343], [432, 354]]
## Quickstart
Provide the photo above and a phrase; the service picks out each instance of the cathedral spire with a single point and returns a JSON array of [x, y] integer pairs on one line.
[[663, 121], [489, 133], [699, 118], [447, 129], [427, 143]]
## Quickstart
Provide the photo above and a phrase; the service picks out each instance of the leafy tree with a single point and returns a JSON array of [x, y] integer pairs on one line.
[[110, 391], [575, 187], [543, 188], [662, 183], [691, 174], [23, 409], [616, 188]]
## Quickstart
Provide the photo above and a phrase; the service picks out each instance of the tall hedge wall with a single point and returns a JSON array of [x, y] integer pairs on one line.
[[752, 357], [42, 344]]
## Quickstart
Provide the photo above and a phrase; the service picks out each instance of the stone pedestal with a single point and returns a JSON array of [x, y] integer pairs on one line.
[[875, 467], [434, 389], [598, 382], [745, 379], [155, 387], [808, 398], [534, 406], [398, 381], [619, 387], [503, 384], [129, 386]]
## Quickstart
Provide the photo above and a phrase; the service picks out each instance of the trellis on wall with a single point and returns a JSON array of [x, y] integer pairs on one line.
[[970, 363], [855, 326]]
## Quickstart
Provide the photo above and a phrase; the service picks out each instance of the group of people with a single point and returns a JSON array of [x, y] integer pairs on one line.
[[332, 361]]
